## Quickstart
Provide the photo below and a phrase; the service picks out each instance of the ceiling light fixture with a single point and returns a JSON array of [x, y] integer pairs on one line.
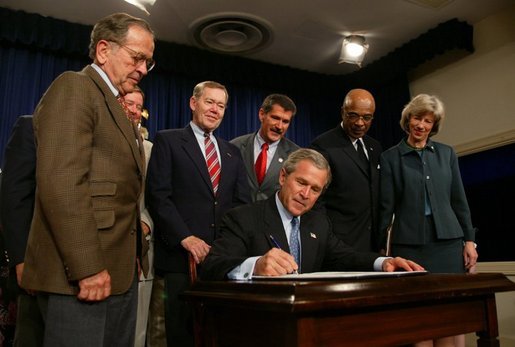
[[354, 48], [143, 5]]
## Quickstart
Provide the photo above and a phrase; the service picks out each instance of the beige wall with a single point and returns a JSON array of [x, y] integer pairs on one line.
[[477, 90]]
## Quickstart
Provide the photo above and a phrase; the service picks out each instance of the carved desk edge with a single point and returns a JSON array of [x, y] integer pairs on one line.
[[305, 296]]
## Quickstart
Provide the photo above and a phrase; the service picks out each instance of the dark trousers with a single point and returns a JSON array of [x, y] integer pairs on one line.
[[30, 326], [111, 322], [178, 314]]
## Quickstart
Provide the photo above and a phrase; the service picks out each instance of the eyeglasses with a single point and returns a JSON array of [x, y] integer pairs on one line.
[[353, 117], [139, 57]]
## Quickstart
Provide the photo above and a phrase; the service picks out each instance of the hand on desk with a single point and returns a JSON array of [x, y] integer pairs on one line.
[[398, 263], [275, 262]]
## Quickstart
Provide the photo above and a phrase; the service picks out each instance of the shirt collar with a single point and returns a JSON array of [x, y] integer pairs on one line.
[[106, 79], [260, 141], [198, 130], [283, 212]]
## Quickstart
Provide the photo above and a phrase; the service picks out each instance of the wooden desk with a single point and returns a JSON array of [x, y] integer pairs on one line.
[[367, 312]]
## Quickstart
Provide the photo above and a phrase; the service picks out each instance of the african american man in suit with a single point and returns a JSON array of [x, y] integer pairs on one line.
[[351, 200]]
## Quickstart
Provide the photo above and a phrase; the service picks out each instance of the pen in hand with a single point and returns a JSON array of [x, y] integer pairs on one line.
[[276, 245]]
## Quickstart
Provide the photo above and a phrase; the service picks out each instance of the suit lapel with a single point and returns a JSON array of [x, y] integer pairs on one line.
[[118, 115], [247, 149], [227, 161], [274, 225], [275, 165], [373, 156], [309, 243]]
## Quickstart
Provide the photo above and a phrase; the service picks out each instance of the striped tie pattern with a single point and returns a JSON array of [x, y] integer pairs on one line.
[[213, 165], [294, 241]]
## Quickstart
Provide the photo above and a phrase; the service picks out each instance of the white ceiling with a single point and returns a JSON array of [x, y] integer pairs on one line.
[[307, 34]]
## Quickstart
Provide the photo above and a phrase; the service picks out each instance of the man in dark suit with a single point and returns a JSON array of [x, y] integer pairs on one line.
[[193, 179], [83, 241], [264, 151], [281, 235], [351, 201], [17, 206]]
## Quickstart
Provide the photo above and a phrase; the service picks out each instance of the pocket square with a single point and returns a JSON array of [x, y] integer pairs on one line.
[[313, 235]]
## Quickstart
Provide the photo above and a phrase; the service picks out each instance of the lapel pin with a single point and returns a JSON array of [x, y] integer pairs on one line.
[[281, 160], [313, 235]]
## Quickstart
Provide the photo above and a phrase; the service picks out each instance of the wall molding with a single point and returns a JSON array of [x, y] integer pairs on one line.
[[485, 143]]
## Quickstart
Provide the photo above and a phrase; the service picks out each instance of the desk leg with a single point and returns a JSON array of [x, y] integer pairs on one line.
[[489, 337]]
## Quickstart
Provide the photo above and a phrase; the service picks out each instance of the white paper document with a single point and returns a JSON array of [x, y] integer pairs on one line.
[[338, 275]]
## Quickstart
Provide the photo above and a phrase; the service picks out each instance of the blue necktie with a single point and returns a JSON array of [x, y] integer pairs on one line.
[[294, 241]]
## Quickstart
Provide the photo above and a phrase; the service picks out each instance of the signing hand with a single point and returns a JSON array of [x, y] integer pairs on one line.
[[197, 247], [96, 287], [275, 262], [397, 263]]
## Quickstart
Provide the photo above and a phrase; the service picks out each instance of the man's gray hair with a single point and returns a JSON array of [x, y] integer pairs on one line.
[[114, 28]]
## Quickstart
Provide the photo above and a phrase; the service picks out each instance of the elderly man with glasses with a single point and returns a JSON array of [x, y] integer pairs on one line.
[[351, 200], [86, 231]]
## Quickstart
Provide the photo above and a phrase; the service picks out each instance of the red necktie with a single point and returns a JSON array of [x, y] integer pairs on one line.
[[213, 165], [121, 100], [260, 165]]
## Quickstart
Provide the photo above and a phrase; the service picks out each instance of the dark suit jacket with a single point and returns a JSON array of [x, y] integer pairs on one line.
[[271, 181], [89, 177], [18, 188], [180, 194], [351, 200], [405, 178], [245, 232]]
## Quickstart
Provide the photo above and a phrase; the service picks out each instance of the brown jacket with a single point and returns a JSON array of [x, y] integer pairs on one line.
[[89, 177]]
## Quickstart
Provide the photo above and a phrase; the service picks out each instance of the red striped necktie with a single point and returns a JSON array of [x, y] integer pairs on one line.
[[213, 165]]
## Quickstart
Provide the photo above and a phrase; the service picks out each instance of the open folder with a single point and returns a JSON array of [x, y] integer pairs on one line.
[[339, 275]]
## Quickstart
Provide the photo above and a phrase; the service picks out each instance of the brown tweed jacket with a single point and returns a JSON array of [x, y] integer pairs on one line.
[[89, 177]]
